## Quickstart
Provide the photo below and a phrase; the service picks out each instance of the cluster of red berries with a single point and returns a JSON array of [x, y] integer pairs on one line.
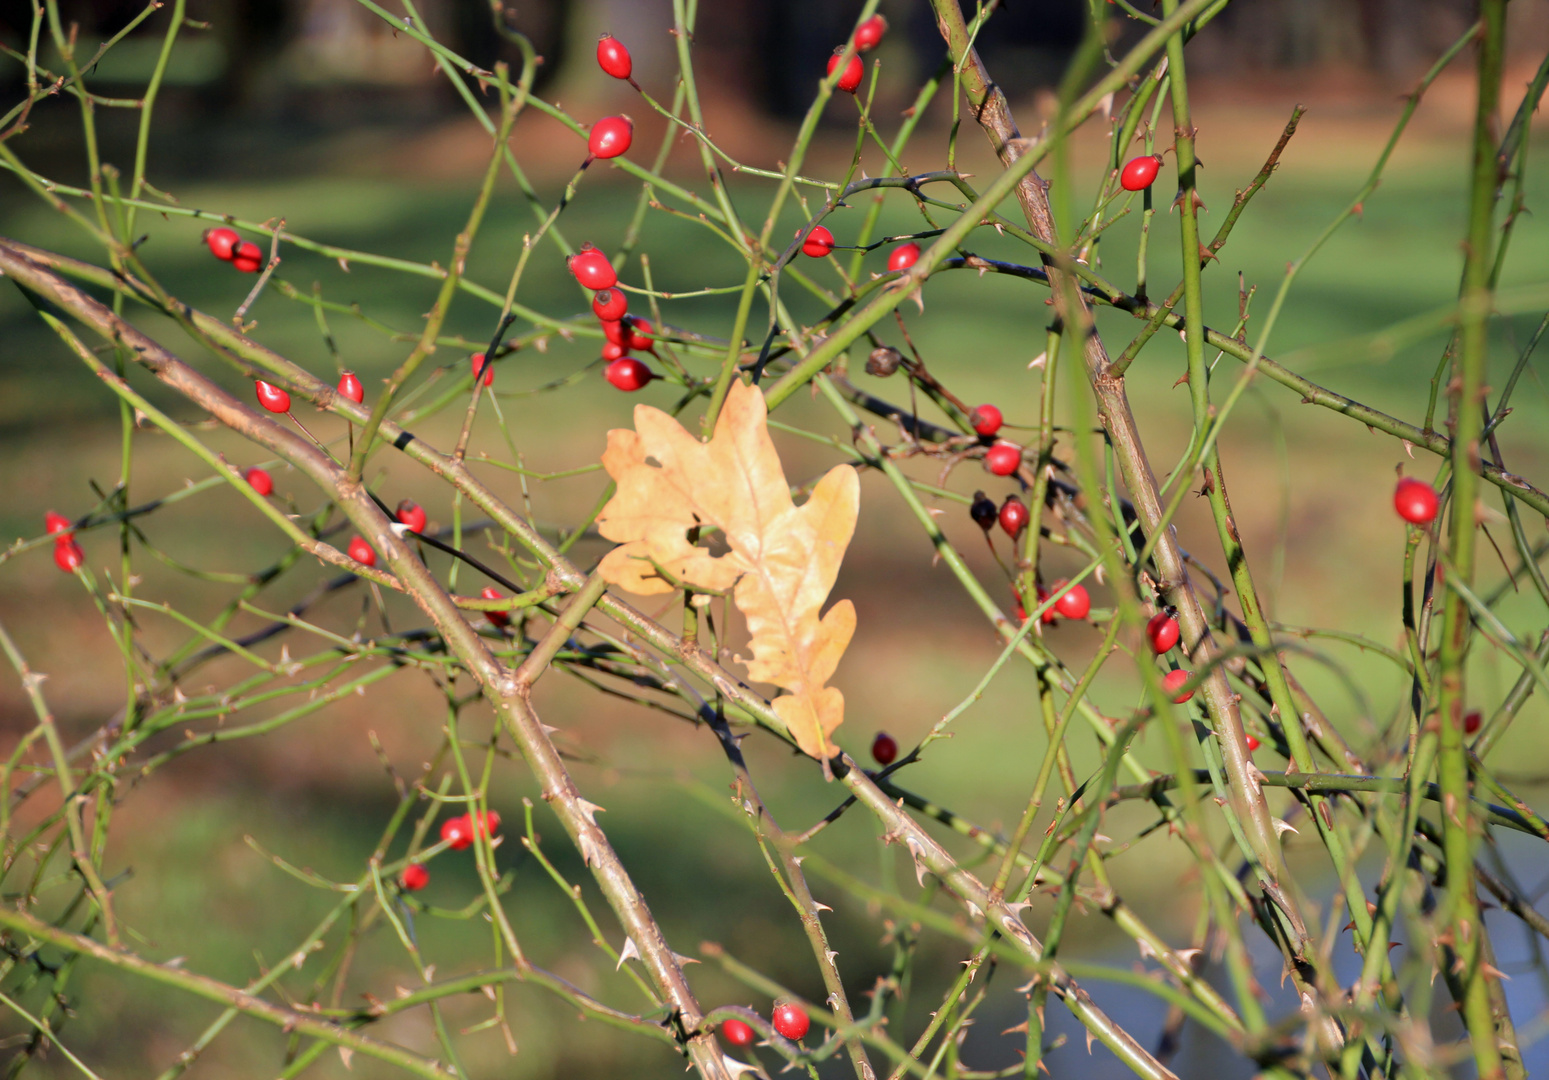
[[1002, 458], [787, 1018], [626, 333], [227, 246], [68, 555], [459, 833], [868, 35]]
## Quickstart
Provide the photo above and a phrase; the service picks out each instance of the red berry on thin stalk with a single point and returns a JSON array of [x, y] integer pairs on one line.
[[415, 877], [1253, 743], [249, 257], [641, 335], [1173, 681], [610, 137], [737, 1033], [458, 832], [610, 305], [1416, 501], [1014, 516], [272, 397], [68, 555], [868, 35], [819, 242], [903, 256], [986, 420], [222, 242], [850, 78], [592, 268], [477, 360], [1162, 631], [259, 480], [790, 1021], [413, 515], [1074, 604], [613, 58], [612, 351], [361, 552], [884, 748], [57, 524], [983, 511], [628, 374], [1472, 722], [349, 386], [498, 619], [1003, 458], [1140, 173]]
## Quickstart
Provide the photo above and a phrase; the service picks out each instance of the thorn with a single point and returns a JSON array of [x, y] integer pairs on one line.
[[628, 952]]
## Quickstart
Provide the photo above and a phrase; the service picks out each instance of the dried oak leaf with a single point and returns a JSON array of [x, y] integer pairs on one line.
[[782, 561]]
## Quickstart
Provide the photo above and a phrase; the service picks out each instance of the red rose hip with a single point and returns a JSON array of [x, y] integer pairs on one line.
[[628, 374], [1013, 516], [272, 397], [790, 1021], [610, 305], [361, 552], [458, 832], [1049, 617], [57, 524], [1173, 682], [1074, 604], [223, 243], [884, 748], [592, 268], [1140, 173], [1162, 632], [868, 35], [610, 137], [477, 362], [1416, 501], [613, 58], [612, 350], [1253, 743], [903, 256], [819, 242], [259, 480], [737, 1033], [986, 420], [850, 78], [413, 515], [415, 877], [1003, 458], [249, 258], [498, 619], [1472, 722], [349, 386], [68, 555]]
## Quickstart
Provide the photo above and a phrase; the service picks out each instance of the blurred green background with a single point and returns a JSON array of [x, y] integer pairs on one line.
[[386, 165]]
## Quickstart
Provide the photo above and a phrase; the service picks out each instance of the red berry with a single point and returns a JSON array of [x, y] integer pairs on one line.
[[986, 420], [498, 619], [489, 824], [1416, 501], [613, 58], [819, 242], [458, 832], [790, 1021], [1173, 681], [349, 386], [854, 71], [249, 258], [1013, 516], [983, 511], [1253, 744], [610, 305], [259, 480], [361, 552], [68, 555], [737, 1033], [1003, 458], [615, 331], [415, 877], [272, 397], [884, 748], [1139, 173], [1471, 722], [1048, 618], [904, 255], [628, 374], [610, 137], [640, 335], [592, 268], [57, 524], [413, 515], [222, 242], [1162, 630], [612, 351], [868, 35], [477, 360], [1074, 604]]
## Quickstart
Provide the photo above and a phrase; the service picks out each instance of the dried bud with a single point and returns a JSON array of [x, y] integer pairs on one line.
[[982, 510], [883, 361]]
